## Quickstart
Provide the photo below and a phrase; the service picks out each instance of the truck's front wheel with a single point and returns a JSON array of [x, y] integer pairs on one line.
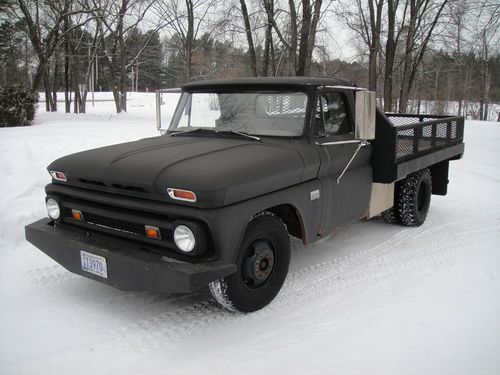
[[263, 260]]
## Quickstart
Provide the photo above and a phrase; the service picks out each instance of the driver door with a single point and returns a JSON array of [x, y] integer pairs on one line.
[[345, 192]]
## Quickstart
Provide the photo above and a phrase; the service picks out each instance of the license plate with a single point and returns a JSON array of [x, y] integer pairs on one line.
[[94, 264]]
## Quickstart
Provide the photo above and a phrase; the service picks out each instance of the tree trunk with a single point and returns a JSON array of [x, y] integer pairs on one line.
[[312, 34], [123, 79], [189, 40], [54, 85], [123, 74], [293, 37], [67, 89], [485, 79], [304, 38], [375, 28], [269, 6], [404, 91], [116, 97], [390, 51], [76, 93], [49, 102], [248, 31]]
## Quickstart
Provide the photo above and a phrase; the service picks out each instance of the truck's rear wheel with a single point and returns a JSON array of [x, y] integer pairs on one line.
[[414, 198], [262, 261], [391, 216]]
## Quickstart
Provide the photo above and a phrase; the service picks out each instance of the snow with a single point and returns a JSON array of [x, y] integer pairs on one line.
[[373, 298]]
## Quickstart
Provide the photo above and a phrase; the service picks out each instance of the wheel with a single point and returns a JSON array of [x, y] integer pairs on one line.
[[262, 260], [391, 216], [414, 198]]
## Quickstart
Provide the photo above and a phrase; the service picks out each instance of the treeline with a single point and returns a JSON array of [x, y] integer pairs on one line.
[[407, 50]]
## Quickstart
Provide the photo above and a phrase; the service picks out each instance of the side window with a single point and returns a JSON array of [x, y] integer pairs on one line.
[[332, 117]]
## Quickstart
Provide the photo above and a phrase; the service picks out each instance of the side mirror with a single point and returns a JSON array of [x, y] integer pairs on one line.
[[366, 103], [166, 101], [158, 110]]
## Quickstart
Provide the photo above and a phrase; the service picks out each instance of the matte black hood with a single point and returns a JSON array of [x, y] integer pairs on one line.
[[220, 170]]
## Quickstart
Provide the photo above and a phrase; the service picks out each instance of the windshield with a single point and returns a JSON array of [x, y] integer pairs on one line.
[[272, 113]]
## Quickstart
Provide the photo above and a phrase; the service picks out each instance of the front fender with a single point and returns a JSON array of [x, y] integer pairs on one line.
[[228, 224]]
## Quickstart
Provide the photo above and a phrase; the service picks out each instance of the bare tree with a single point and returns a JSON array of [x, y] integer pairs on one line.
[[487, 31], [394, 29], [296, 28], [43, 22], [43, 30], [422, 21], [187, 19], [118, 19], [454, 33], [366, 22]]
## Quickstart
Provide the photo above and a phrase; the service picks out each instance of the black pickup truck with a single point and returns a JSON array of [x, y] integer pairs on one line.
[[244, 164]]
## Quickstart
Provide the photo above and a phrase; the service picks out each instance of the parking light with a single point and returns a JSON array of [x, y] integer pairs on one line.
[[182, 195], [152, 232], [59, 176]]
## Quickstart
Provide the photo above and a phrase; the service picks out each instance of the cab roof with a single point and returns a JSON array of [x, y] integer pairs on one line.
[[267, 82]]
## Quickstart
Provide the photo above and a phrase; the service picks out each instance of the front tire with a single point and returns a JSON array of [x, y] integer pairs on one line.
[[263, 260]]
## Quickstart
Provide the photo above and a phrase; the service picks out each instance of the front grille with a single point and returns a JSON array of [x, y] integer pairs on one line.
[[123, 226], [136, 189], [128, 187], [92, 182]]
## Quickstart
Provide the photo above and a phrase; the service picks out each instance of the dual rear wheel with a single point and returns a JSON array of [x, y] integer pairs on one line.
[[412, 198]]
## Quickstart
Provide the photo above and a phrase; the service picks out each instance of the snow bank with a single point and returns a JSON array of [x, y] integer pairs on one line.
[[373, 299]]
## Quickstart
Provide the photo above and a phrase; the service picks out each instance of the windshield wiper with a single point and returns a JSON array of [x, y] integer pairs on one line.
[[191, 131], [209, 130], [242, 134]]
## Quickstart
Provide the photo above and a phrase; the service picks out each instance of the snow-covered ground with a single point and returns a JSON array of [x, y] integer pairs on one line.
[[372, 299]]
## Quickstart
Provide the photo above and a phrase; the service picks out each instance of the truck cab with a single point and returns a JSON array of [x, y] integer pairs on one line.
[[243, 165]]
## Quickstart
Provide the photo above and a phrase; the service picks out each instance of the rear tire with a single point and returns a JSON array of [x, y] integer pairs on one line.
[[414, 198], [262, 261], [391, 216]]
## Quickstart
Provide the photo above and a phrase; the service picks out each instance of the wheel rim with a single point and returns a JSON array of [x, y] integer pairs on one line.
[[422, 197], [258, 263]]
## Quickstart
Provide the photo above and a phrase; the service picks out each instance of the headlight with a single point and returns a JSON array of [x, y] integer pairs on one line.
[[184, 238], [53, 209]]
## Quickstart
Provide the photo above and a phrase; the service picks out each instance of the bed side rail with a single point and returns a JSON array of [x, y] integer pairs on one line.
[[418, 135]]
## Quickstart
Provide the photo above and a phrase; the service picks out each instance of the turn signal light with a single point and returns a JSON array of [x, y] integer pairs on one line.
[[59, 176], [77, 215], [152, 232], [182, 195]]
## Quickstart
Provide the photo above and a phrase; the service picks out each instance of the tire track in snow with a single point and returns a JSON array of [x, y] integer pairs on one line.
[[311, 283], [188, 307], [348, 275], [382, 262], [192, 316], [83, 289], [57, 273], [48, 275], [391, 245]]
